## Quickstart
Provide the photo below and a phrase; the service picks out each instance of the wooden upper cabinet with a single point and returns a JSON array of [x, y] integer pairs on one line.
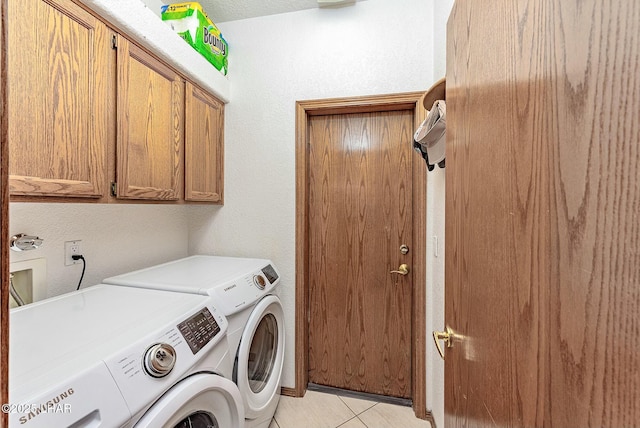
[[62, 105], [150, 111], [204, 146], [58, 66]]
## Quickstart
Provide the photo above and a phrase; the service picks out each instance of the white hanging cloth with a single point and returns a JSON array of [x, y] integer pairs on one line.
[[430, 137]]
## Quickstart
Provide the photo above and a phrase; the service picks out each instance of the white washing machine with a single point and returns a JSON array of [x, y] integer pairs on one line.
[[243, 289], [121, 357]]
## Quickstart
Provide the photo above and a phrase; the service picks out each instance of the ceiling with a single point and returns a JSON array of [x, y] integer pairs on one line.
[[231, 10]]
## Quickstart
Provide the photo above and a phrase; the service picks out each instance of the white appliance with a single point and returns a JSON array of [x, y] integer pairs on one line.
[[121, 357], [243, 290]]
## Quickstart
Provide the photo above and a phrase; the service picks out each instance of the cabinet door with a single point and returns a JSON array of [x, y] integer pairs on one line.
[[149, 126], [204, 146], [58, 66]]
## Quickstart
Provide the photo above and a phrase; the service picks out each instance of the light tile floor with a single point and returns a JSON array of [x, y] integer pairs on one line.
[[326, 410]]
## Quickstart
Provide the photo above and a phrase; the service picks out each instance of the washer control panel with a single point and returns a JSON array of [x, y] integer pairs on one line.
[[199, 329], [156, 361]]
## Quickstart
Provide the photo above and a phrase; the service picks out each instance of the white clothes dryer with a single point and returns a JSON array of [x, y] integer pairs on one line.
[[243, 289], [121, 357]]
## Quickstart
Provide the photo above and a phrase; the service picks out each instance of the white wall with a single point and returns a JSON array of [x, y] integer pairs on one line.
[[372, 47], [155, 5], [436, 237], [442, 9], [115, 238]]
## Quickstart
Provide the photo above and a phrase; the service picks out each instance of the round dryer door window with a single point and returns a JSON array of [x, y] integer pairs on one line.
[[260, 358], [262, 353]]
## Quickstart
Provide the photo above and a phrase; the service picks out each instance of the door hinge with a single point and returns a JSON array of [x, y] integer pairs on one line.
[[114, 41], [114, 188]]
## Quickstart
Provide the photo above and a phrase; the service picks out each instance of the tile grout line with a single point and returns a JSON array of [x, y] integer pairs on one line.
[[353, 411], [361, 421], [349, 420], [343, 400], [355, 416], [363, 412], [350, 409]]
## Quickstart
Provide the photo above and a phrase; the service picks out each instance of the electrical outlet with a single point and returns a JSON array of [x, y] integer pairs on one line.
[[71, 248]]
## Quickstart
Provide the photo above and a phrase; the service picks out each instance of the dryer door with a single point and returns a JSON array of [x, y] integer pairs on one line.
[[260, 358], [203, 400]]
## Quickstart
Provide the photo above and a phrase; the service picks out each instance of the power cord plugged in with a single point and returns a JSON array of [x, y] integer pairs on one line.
[[84, 266]]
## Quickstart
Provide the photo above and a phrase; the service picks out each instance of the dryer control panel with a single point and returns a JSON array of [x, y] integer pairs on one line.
[[270, 272], [237, 294]]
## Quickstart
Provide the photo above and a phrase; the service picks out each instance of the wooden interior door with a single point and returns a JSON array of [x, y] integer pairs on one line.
[[58, 66], [542, 204], [360, 213], [150, 126]]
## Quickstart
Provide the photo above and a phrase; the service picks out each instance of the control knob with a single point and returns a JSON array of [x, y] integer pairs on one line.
[[259, 281], [159, 359]]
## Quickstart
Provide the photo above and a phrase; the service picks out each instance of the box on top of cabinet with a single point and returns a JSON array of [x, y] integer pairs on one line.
[[192, 24]]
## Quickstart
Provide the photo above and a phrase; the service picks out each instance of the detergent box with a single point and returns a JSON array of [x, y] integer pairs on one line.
[[193, 25]]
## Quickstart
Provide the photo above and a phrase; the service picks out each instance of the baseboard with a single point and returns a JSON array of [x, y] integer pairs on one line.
[[429, 418], [288, 392]]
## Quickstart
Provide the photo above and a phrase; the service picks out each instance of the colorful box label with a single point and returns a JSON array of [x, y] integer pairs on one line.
[[194, 26]]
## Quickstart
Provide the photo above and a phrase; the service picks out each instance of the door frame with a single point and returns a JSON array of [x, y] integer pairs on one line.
[[366, 104], [4, 217]]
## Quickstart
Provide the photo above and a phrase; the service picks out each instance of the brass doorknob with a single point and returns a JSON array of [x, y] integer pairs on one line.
[[403, 269], [448, 336]]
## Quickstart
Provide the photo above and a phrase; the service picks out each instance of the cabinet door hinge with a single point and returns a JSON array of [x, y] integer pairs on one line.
[[114, 188], [114, 41]]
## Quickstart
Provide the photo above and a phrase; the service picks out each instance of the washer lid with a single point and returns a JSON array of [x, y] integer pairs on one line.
[[56, 339]]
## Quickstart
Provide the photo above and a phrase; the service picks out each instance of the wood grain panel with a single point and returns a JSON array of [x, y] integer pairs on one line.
[[204, 146], [302, 252], [150, 126], [288, 392], [543, 187], [388, 102], [4, 217], [57, 123], [360, 213], [594, 149]]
